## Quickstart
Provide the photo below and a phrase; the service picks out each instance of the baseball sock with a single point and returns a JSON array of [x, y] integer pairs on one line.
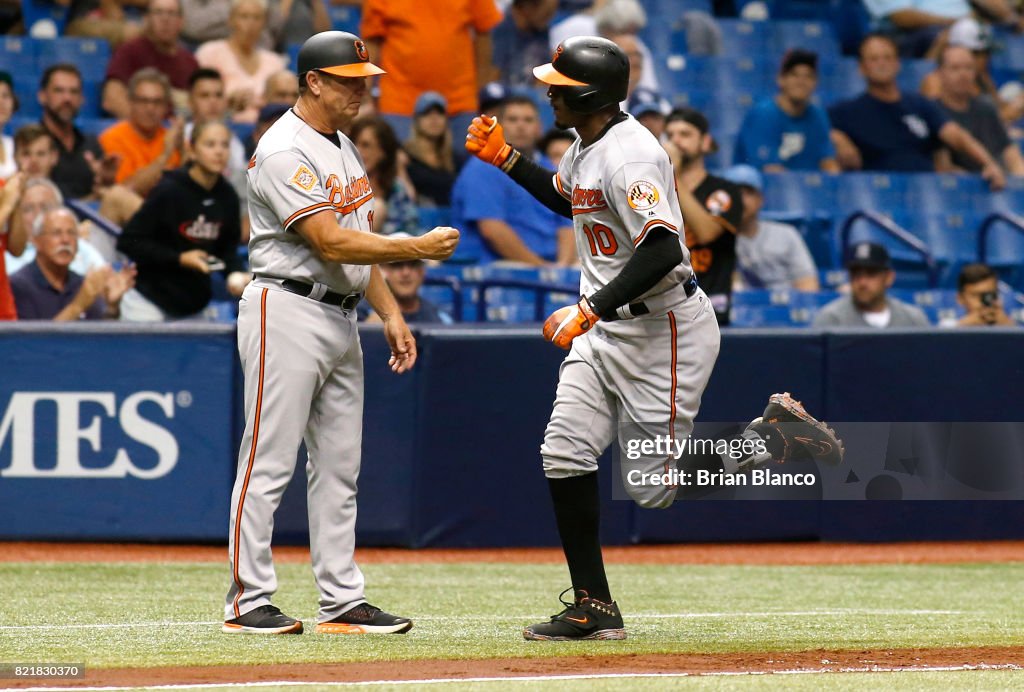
[[578, 514]]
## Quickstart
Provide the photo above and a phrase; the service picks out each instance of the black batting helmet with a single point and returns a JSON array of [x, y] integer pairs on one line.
[[338, 53], [593, 73]]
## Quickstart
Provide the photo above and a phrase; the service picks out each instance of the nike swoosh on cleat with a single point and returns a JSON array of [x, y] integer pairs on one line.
[[584, 621], [824, 447]]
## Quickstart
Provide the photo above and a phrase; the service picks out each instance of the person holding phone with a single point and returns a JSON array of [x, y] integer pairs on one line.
[[188, 227], [978, 294]]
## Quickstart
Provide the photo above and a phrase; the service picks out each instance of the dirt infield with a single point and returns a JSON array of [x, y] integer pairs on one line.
[[692, 554], [694, 664]]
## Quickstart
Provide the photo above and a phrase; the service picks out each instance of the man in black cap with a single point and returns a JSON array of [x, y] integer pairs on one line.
[[787, 131], [314, 256], [867, 305], [712, 207]]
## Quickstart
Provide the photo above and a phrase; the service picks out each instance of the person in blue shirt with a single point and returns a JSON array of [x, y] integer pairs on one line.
[[522, 39], [886, 130], [500, 220], [787, 131]]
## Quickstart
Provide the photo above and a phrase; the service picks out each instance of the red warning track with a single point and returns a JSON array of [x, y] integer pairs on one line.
[[712, 554]]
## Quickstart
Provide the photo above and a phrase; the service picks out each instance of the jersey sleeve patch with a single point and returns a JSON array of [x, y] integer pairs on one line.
[[303, 178], [718, 202], [642, 195]]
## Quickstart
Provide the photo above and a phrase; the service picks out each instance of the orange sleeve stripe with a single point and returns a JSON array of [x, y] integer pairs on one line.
[[651, 224], [588, 210], [351, 207], [561, 190], [305, 212]]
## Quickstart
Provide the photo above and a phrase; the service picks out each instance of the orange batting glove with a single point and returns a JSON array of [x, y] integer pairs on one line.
[[486, 141], [565, 324]]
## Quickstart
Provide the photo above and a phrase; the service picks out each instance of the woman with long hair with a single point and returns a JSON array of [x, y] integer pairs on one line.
[[432, 163], [393, 207], [188, 227], [240, 60]]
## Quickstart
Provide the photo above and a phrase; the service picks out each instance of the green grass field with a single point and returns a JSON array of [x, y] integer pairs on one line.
[[147, 614]]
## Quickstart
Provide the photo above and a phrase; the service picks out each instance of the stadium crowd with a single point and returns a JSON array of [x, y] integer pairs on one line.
[[137, 211]]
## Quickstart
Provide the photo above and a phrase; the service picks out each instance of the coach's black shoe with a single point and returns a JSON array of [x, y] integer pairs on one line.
[[791, 433], [365, 619], [585, 618], [266, 619]]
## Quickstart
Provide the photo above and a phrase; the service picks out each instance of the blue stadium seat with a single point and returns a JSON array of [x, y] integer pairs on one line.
[[938, 193], [885, 193], [713, 74], [1005, 253], [292, 51], [742, 38], [94, 126], [808, 35], [800, 192], [912, 72], [841, 80], [431, 217], [18, 56], [27, 91], [90, 55], [33, 11], [768, 316], [1011, 57], [92, 98], [345, 17]]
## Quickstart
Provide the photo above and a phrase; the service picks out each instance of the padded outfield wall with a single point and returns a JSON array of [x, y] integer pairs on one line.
[[113, 432]]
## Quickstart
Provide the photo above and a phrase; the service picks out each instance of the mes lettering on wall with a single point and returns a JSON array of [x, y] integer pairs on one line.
[[89, 421]]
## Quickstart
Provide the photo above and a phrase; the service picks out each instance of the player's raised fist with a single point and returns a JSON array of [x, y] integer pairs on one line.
[[486, 140], [438, 244], [565, 324]]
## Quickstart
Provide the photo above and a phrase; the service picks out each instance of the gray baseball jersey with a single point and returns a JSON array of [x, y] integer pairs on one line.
[[640, 376], [297, 172], [774, 258], [303, 367]]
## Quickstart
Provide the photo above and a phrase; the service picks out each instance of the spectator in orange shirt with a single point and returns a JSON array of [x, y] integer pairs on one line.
[[423, 48], [146, 148]]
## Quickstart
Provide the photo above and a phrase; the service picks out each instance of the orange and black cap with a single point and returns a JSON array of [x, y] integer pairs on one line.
[[592, 72], [338, 53]]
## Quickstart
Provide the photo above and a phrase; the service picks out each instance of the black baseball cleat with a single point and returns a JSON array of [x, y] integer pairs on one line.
[[266, 619], [365, 619], [791, 433], [585, 618]]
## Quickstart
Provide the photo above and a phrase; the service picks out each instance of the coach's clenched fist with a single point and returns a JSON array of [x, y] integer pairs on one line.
[[438, 244]]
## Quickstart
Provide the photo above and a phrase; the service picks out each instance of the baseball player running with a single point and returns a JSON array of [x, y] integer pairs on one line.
[[643, 336], [313, 256]]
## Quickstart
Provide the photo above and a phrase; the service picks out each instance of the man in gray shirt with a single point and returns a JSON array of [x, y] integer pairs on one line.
[[769, 254], [867, 305], [976, 114]]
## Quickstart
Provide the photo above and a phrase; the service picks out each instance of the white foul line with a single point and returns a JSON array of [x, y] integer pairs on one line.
[[492, 618], [530, 678]]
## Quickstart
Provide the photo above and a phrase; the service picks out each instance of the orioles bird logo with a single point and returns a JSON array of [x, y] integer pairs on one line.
[[558, 52], [361, 51]]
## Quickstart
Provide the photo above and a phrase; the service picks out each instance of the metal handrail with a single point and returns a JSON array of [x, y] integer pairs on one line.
[[896, 231], [84, 211], [1012, 220]]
